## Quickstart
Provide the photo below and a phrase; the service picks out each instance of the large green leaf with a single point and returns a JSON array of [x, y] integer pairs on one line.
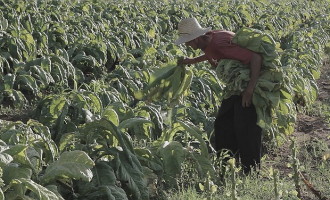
[[129, 123], [54, 189], [196, 133], [129, 172], [203, 157], [161, 74], [22, 185], [173, 154], [104, 174], [8, 81], [45, 142], [57, 105], [71, 164], [139, 126], [42, 75], [103, 185], [17, 97], [5, 159], [27, 82], [155, 116], [14, 171], [19, 154], [66, 140], [116, 192], [111, 115], [106, 192], [168, 135], [95, 102], [125, 163], [2, 196]]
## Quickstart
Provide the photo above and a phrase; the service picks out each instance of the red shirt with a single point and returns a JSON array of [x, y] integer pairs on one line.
[[220, 47]]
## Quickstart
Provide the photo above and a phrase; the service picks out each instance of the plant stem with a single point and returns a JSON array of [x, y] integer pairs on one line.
[[233, 179], [275, 176], [295, 165]]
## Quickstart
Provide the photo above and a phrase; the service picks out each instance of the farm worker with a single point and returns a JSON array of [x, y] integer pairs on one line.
[[235, 127]]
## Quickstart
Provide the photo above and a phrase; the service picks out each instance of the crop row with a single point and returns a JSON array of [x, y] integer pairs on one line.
[[83, 64]]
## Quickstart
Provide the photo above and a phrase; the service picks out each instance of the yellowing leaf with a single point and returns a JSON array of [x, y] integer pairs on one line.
[[111, 115], [151, 33], [138, 95], [326, 156]]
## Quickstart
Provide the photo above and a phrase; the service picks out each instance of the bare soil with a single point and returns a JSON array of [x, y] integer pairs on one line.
[[309, 128]]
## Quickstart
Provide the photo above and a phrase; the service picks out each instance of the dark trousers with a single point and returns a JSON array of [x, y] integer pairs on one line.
[[236, 130]]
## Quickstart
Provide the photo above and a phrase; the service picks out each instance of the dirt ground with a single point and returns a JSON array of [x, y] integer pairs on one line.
[[309, 128]]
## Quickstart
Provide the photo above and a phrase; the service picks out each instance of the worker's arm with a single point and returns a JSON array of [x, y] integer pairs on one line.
[[192, 60], [255, 66]]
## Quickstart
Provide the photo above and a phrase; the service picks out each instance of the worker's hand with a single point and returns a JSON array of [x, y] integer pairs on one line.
[[247, 97], [186, 61]]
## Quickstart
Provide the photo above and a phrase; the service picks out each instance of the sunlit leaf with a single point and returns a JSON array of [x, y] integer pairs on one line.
[[71, 164]]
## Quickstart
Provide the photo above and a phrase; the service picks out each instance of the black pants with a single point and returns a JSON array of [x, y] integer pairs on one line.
[[236, 130]]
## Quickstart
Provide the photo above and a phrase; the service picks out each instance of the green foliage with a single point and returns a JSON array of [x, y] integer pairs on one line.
[[22, 185], [73, 164], [173, 155], [259, 42], [115, 115], [168, 83]]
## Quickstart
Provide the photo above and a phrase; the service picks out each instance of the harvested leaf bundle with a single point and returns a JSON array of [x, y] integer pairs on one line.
[[274, 104], [259, 42], [169, 82]]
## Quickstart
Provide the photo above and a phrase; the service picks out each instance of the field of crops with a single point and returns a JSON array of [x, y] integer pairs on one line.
[[104, 118]]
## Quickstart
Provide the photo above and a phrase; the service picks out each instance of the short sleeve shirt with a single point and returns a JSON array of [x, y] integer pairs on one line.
[[221, 47]]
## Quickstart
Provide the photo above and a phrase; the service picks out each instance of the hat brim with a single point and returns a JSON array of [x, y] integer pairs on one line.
[[187, 38]]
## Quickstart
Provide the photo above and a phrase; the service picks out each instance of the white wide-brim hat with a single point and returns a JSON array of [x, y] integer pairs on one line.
[[190, 29]]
